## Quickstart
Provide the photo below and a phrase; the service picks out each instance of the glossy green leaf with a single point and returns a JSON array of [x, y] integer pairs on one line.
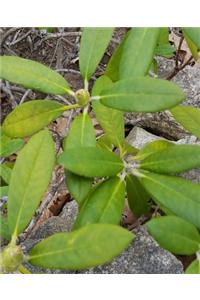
[[188, 117], [29, 181], [179, 195], [194, 267], [112, 68], [91, 162], [81, 134], [152, 147], [137, 196], [104, 205], [9, 146], [194, 35], [171, 160], [94, 41], [175, 234], [111, 120], [4, 229], [33, 75], [138, 51], [5, 172], [89, 246], [30, 117], [142, 95], [193, 48]]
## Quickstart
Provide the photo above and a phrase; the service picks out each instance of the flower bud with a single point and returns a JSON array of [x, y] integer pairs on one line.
[[83, 97]]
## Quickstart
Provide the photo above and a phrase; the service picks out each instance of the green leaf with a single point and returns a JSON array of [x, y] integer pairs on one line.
[[175, 234], [137, 196], [171, 160], [188, 117], [194, 267], [180, 196], [4, 229], [5, 172], [194, 35], [78, 186], [33, 75], [32, 116], [165, 50], [9, 146], [152, 147], [129, 149], [163, 36], [3, 191], [29, 181], [105, 143], [193, 48], [142, 95], [111, 120], [91, 162], [81, 134], [94, 42], [104, 205], [112, 68], [89, 246], [138, 52]]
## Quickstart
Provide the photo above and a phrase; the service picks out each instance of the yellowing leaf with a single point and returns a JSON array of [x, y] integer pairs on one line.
[[33, 75], [29, 180]]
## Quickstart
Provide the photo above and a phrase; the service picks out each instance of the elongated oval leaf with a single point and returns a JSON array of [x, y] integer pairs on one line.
[[104, 205], [89, 246], [188, 117], [94, 42], [112, 68], [171, 160], [152, 147], [81, 134], [111, 120], [142, 95], [91, 162], [33, 75], [138, 51], [175, 234], [180, 196], [194, 35], [30, 117], [194, 267], [29, 181], [78, 186], [137, 196], [191, 45]]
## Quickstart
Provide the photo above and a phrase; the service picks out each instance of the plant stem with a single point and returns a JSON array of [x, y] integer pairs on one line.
[[67, 107], [24, 270]]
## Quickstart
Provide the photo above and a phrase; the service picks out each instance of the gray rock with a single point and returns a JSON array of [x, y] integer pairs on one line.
[[143, 256], [138, 137]]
